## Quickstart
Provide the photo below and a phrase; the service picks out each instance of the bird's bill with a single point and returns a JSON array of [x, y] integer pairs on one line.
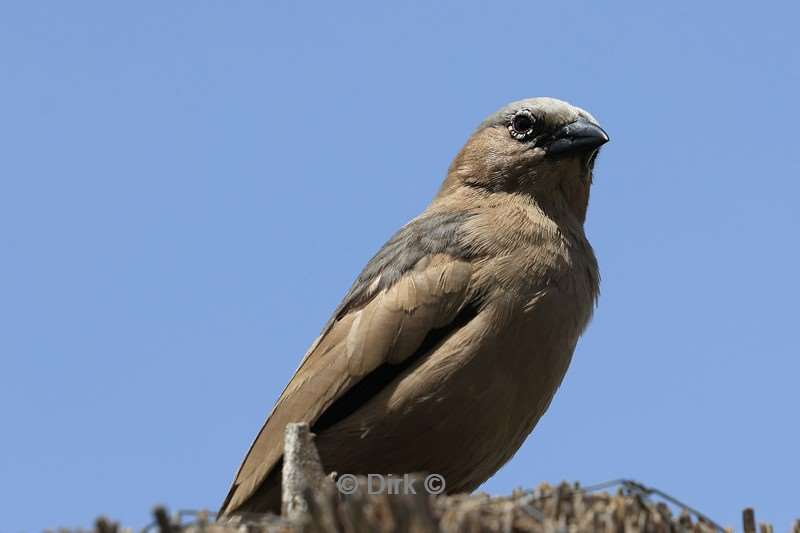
[[580, 135]]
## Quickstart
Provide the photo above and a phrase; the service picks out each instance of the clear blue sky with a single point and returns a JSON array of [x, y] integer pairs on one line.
[[188, 188]]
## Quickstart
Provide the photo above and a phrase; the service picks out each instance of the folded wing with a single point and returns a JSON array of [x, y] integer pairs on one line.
[[378, 324]]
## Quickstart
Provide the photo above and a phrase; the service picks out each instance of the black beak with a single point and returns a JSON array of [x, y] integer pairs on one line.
[[581, 135]]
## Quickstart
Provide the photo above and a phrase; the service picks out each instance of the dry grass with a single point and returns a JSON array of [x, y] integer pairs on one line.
[[312, 503]]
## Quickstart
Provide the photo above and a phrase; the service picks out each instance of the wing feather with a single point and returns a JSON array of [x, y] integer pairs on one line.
[[386, 329]]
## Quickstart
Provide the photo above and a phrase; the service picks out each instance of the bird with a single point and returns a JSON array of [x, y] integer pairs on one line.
[[451, 343]]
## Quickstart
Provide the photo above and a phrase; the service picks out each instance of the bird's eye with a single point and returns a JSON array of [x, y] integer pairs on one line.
[[521, 125]]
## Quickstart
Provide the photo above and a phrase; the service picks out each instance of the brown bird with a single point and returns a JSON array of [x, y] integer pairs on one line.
[[451, 343]]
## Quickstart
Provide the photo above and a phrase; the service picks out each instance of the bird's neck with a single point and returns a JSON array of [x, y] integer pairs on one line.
[[572, 194], [539, 235], [563, 207]]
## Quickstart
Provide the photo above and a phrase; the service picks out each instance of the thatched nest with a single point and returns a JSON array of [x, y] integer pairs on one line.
[[312, 502]]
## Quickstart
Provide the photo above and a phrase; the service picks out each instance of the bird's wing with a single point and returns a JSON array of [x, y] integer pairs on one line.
[[416, 284]]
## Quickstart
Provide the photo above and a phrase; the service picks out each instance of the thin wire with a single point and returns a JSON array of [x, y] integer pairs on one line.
[[645, 491]]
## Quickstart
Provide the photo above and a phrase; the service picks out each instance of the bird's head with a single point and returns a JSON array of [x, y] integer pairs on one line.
[[540, 146]]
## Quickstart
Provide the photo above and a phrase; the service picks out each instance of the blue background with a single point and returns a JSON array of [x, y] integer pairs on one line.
[[188, 188]]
